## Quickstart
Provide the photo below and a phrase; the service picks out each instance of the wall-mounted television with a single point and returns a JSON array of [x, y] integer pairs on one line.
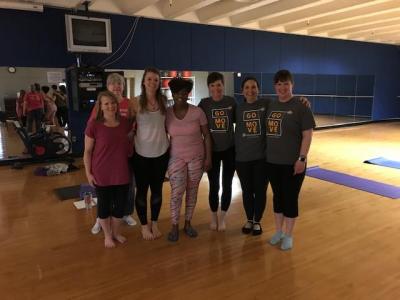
[[86, 34]]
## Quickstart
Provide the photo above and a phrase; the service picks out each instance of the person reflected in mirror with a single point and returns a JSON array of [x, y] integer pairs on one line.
[[60, 97], [51, 107], [19, 108], [33, 108]]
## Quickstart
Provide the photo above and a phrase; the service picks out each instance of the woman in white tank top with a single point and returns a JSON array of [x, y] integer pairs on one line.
[[151, 156]]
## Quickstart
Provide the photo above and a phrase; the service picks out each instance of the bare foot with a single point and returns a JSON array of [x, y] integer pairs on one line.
[[119, 238], [146, 233], [154, 229], [221, 225], [221, 221], [109, 243], [213, 225], [214, 222]]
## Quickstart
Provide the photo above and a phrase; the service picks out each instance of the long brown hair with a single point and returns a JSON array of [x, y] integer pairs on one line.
[[97, 106], [159, 96]]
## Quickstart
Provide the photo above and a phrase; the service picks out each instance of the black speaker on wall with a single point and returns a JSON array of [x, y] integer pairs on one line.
[[83, 85]]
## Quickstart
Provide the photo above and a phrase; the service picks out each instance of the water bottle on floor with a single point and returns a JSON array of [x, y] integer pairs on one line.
[[87, 197]]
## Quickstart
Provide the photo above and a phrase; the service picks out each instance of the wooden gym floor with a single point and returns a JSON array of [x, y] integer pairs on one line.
[[346, 242]]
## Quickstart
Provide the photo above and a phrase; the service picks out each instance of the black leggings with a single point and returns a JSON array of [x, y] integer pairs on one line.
[[36, 116], [227, 158], [62, 115], [253, 179], [286, 188], [111, 200], [149, 172]]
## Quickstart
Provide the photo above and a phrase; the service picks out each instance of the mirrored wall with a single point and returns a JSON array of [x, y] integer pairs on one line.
[[335, 99], [11, 83]]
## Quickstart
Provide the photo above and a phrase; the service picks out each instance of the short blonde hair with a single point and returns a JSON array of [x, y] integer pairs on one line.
[[97, 107], [115, 78]]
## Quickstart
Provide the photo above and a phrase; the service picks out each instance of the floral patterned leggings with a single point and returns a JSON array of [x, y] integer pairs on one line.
[[184, 176]]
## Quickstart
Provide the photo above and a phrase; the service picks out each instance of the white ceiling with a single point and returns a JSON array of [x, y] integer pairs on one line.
[[361, 20]]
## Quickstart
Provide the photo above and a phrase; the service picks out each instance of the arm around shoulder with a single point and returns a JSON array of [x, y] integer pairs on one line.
[[87, 159], [133, 107], [207, 146]]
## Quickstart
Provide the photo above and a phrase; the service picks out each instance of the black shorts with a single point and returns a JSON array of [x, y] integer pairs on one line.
[[111, 200]]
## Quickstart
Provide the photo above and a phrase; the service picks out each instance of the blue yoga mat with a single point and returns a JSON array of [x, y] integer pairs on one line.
[[354, 182], [381, 161]]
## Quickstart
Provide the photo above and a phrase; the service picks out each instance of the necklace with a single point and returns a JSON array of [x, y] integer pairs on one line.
[[152, 106]]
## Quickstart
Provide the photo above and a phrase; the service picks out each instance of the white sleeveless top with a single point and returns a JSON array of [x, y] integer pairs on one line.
[[151, 138]]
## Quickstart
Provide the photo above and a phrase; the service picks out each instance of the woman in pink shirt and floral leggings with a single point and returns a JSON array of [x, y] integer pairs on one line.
[[190, 153]]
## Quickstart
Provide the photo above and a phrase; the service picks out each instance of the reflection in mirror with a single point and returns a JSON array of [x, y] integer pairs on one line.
[[12, 145], [12, 89], [335, 99]]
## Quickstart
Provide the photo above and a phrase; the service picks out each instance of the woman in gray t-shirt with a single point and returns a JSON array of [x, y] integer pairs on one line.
[[250, 154], [289, 130], [220, 112]]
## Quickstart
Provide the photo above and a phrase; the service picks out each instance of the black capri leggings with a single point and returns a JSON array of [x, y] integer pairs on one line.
[[286, 188], [111, 200]]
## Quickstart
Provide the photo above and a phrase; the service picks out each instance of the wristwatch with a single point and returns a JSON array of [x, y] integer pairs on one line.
[[302, 158]]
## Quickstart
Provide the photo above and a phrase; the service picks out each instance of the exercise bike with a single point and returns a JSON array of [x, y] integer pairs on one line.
[[44, 144]]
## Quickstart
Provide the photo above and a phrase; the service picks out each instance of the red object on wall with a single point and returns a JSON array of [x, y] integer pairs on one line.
[[186, 74], [165, 82], [173, 73]]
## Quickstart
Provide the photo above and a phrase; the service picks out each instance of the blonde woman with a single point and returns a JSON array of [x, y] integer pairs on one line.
[[116, 85], [106, 145]]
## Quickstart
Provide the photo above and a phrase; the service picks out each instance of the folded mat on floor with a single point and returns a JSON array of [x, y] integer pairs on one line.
[[74, 192], [381, 161], [354, 182]]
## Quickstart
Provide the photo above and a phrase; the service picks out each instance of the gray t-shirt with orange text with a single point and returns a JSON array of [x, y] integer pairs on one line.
[[250, 130], [220, 117], [285, 123]]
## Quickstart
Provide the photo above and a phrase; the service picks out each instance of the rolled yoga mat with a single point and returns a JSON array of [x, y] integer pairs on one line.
[[381, 161], [354, 182]]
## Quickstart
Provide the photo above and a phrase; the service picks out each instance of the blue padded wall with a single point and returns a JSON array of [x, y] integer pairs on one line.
[[208, 48], [172, 45], [314, 55], [38, 40], [267, 51], [292, 55], [239, 50]]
